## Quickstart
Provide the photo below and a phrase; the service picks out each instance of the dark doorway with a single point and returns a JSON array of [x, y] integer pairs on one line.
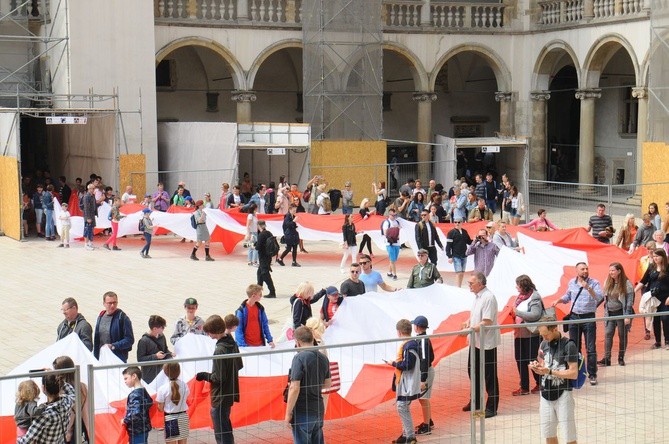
[[563, 124]]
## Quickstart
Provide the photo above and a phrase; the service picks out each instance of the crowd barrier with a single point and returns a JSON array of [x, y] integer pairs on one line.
[[628, 404]]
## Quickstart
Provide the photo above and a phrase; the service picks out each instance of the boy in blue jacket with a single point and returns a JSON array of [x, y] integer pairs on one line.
[[136, 419]]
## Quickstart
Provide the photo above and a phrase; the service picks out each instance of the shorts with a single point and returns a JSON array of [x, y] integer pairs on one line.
[[560, 411], [393, 252], [429, 382], [459, 263]]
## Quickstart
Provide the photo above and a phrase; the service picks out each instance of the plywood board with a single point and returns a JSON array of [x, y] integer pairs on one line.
[[10, 199], [129, 167], [361, 162]]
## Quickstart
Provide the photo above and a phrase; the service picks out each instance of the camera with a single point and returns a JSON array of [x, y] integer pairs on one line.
[[249, 244]]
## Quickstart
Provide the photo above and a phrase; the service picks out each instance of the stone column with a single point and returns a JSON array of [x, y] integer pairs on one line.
[[425, 14], [243, 10], [424, 132], [640, 93], [586, 149], [588, 9], [538, 143], [506, 112], [243, 99]]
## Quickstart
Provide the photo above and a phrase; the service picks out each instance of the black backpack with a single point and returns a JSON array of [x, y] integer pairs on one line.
[[193, 222], [271, 246]]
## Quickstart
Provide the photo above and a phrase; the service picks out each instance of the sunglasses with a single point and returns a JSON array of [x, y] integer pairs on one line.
[[363, 263], [355, 271]]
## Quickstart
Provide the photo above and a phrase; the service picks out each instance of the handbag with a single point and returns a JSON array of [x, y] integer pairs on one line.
[[565, 327], [171, 428]]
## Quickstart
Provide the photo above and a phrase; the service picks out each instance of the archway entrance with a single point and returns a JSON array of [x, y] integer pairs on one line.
[[563, 123]]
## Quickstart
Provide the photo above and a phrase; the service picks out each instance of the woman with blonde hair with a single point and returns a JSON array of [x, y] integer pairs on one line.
[[627, 233], [619, 300], [365, 212], [171, 398], [301, 302]]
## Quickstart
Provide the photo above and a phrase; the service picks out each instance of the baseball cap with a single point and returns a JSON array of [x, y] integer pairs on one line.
[[490, 224], [199, 203], [420, 321], [190, 301], [146, 210], [188, 198], [331, 290], [147, 195]]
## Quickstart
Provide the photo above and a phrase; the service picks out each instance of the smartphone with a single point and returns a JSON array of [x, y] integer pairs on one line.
[[384, 361]]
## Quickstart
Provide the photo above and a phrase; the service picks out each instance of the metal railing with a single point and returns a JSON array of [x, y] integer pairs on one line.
[[571, 204], [628, 392]]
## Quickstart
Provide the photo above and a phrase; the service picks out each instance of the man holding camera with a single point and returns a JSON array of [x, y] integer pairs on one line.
[[484, 252], [599, 223], [585, 295]]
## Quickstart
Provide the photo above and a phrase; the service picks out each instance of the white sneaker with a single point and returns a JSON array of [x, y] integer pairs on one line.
[[90, 248]]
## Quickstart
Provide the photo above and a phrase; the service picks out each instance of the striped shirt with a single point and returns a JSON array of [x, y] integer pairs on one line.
[[598, 224]]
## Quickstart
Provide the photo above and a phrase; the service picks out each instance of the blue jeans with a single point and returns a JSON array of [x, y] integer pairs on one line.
[[142, 438], [459, 264], [220, 416], [88, 231], [492, 204], [50, 231], [307, 429], [252, 253], [346, 210], [147, 245], [589, 330]]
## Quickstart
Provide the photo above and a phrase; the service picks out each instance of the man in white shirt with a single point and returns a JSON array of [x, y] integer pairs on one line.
[[484, 312]]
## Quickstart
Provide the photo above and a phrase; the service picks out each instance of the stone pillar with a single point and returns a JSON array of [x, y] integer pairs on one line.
[[538, 142], [506, 112], [243, 99], [588, 9], [586, 149], [243, 10], [640, 93], [425, 13], [424, 133]]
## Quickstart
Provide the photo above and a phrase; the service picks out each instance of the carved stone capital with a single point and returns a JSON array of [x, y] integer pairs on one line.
[[640, 92], [424, 96], [594, 93], [503, 96], [243, 96], [540, 96]]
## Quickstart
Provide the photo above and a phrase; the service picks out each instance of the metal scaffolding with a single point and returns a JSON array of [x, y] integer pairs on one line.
[[33, 50], [343, 69], [658, 77]]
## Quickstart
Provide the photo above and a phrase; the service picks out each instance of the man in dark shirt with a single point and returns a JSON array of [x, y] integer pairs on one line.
[[353, 286], [456, 249], [75, 322], [427, 236], [599, 223], [90, 209], [64, 191], [264, 260], [308, 374], [490, 193]]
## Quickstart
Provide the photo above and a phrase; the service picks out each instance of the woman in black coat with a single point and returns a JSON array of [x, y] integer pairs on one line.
[[290, 236]]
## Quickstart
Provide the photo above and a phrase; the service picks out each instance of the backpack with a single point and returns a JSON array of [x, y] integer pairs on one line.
[[140, 225], [193, 222], [392, 233], [81, 202], [327, 204], [582, 373], [272, 246], [109, 216]]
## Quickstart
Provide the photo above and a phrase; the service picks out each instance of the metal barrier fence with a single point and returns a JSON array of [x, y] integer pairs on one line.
[[570, 205], [628, 404]]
